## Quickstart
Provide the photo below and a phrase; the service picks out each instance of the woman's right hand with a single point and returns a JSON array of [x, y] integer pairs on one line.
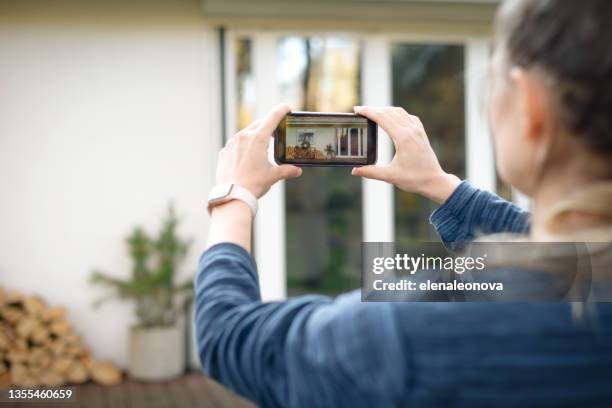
[[415, 167]]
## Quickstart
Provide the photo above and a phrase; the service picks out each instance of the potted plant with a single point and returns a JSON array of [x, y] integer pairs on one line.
[[157, 340]]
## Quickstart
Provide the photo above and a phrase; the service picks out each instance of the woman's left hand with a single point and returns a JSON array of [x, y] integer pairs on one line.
[[415, 167]]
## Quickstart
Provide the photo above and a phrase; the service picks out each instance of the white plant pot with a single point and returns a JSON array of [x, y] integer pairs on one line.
[[157, 353]]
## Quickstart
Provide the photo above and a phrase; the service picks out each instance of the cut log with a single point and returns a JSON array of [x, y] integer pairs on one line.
[[12, 314], [19, 344], [3, 368], [77, 373], [14, 297], [5, 380], [57, 347], [72, 339], [76, 351], [51, 379], [60, 328], [40, 358], [21, 376], [104, 373], [16, 356], [26, 326], [61, 365], [53, 313], [19, 371], [34, 306], [4, 339], [40, 335]]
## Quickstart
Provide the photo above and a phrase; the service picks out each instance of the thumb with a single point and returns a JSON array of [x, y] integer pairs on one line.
[[287, 171], [373, 172]]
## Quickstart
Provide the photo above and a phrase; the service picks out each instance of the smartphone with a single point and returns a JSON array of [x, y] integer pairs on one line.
[[325, 139]]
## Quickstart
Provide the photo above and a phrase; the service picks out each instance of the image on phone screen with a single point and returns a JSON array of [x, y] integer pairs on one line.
[[306, 138]]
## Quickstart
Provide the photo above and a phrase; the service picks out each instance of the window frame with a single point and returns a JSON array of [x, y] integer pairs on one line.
[[376, 89]]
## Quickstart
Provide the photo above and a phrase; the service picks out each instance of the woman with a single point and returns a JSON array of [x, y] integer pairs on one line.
[[550, 113]]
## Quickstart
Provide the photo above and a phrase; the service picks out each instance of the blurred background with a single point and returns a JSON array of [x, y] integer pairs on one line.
[[109, 111]]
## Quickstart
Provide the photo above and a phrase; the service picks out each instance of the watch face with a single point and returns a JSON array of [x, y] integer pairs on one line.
[[219, 192]]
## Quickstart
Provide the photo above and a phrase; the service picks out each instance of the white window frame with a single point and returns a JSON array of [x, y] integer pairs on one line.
[[376, 85]]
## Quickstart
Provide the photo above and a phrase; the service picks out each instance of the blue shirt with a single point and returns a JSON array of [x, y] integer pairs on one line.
[[316, 351]]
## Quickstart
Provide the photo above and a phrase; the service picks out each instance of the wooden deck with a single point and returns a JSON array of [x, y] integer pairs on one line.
[[191, 390]]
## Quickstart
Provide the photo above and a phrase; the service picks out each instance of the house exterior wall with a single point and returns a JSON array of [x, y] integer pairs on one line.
[[107, 114]]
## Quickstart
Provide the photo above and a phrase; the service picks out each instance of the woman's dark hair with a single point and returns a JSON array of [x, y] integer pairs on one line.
[[571, 41]]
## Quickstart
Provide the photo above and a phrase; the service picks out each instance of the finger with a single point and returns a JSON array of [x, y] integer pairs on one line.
[[382, 173], [369, 112], [270, 122], [392, 126], [399, 119], [247, 131], [382, 118], [401, 115], [287, 171], [253, 125], [415, 120]]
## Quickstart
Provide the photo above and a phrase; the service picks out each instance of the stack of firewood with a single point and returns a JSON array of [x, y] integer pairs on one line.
[[38, 347]]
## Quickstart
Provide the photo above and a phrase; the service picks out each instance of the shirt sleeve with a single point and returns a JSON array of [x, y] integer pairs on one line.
[[470, 212], [309, 351]]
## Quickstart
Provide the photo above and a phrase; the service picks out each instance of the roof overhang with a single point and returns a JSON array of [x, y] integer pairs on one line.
[[389, 15]]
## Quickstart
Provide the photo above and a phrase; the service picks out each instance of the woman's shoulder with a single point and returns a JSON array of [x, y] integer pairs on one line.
[[419, 317]]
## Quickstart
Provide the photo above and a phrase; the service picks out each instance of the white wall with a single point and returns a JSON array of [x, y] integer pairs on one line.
[[107, 112]]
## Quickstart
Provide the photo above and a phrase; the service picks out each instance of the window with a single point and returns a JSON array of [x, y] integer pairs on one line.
[[245, 86], [428, 82], [323, 207]]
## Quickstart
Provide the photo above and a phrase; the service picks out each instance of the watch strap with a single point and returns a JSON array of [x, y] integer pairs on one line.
[[236, 193], [244, 195]]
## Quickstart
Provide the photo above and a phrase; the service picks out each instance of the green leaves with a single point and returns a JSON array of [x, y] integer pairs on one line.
[[155, 261]]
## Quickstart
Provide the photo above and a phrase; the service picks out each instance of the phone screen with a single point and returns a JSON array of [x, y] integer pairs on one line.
[[340, 139]]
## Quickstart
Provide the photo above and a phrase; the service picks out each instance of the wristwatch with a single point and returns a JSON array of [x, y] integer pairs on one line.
[[222, 193]]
